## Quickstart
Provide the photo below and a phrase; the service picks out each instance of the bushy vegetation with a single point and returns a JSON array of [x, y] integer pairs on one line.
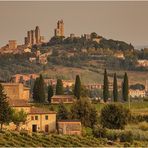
[[114, 116]]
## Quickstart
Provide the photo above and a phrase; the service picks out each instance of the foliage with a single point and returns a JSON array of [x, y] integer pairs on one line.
[[39, 90], [115, 89], [139, 118], [59, 87], [105, 87], [143, 126], [137, 86], [114, 116], [125, 88], [84, 111], [62, 112], [99, 132], [50, 93], [126, 136], [19, 117], [5, 110], [77, 87]]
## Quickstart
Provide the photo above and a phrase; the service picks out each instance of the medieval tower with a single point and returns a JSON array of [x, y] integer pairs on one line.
[[59, 31]]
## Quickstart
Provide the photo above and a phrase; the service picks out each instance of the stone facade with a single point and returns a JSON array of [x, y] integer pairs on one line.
[[38, 119], [59, 31], [12, 44], [69, 127], [16, 91]]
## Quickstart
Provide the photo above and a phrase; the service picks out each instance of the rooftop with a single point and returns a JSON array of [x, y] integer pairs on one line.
[[36, 110]]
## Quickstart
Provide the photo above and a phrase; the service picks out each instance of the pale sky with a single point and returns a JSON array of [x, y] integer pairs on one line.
[[127, 21]]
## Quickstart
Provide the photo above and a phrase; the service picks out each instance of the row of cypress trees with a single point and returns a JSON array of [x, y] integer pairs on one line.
[[39, 89], [125, 88]]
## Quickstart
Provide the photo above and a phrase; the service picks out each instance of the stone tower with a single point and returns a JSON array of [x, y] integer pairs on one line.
[[59, 31], [37, 34], [33, 41]]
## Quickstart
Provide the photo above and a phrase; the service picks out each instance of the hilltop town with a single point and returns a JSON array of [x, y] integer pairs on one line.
[[69, 88]]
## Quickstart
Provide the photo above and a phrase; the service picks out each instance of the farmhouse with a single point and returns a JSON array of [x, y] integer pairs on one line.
[[69, 127], [56, 99], [38, 119]]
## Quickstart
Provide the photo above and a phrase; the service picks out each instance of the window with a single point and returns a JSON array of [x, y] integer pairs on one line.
[[46, 117], [32, 117], [36, 117]]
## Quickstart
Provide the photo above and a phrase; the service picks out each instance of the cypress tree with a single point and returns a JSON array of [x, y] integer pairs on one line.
[[5, 110], [115, 89], [50, 93], [125, 88], [39, 90], [105, 87], [77, 88], [59, 87]]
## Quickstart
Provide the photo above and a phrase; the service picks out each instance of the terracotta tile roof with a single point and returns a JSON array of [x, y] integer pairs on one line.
[[18, 103], [36, 110], [62, 96]]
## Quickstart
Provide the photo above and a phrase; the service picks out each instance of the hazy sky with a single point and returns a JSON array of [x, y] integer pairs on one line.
[[127, 21]]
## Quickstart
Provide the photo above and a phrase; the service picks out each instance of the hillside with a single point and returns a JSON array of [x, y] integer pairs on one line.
[[78, 55]]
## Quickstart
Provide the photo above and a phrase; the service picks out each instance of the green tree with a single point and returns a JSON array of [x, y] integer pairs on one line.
[[19, 117], [84, 111], [39, 90], [114, 116], [59, 87], [105, 87], [125, 88], [115, 89], [50, 93], [77, 87], [5, 109], [62, 112]]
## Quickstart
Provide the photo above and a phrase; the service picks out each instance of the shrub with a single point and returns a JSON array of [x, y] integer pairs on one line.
[[99, 131], [139, 118], [143, 126], [112, 135], [126, 136], [114, 116], [86, 131], [126, 144]]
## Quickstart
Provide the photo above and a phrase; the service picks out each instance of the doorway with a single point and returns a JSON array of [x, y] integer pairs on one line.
[[34, 128], [46, 128]]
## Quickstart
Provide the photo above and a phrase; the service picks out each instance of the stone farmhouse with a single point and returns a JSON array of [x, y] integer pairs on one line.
[[38, 119]]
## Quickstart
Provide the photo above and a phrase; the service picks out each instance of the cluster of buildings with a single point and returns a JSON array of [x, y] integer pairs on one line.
[[33, 37], [142, 63], [40, 58], [38, 119], [14, 48]]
